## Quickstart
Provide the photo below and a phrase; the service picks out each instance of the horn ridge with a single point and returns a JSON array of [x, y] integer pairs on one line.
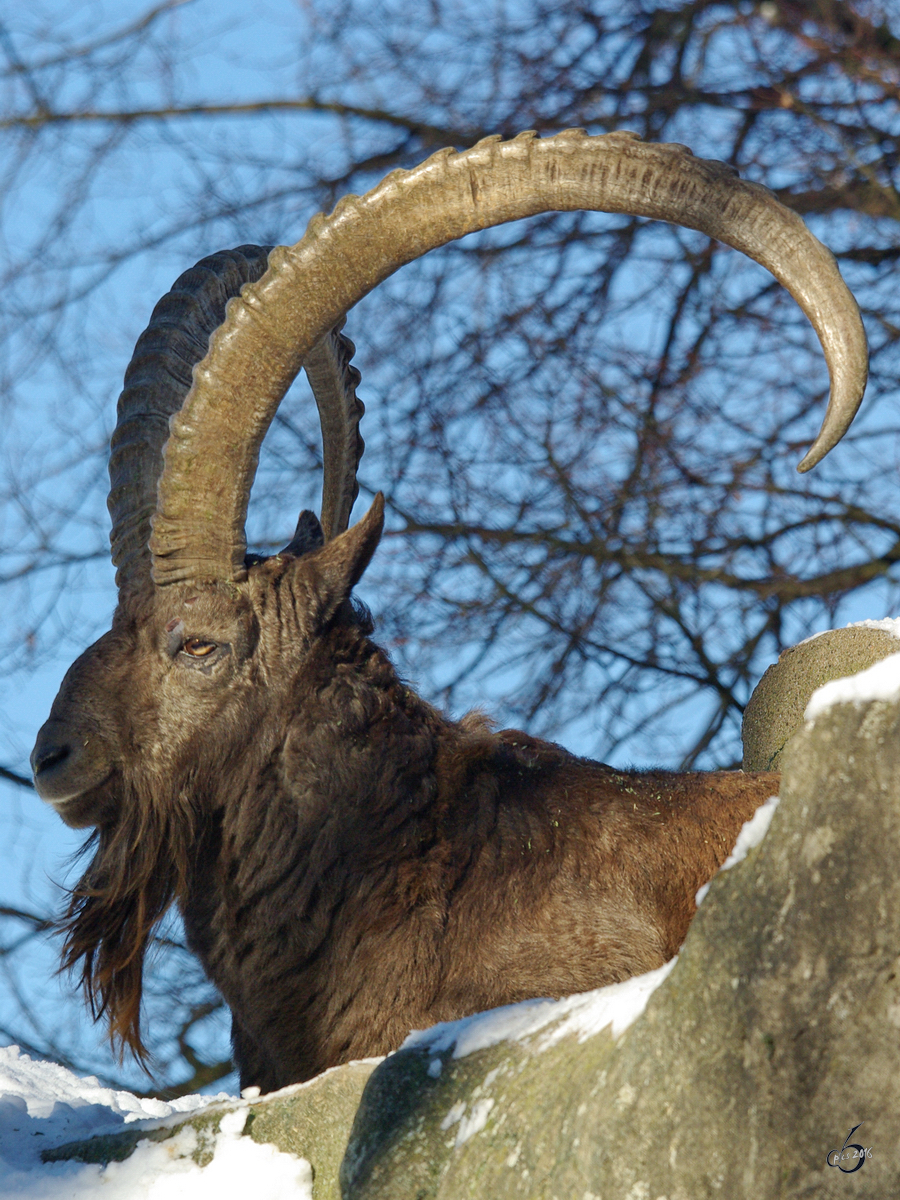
[[334, 379]]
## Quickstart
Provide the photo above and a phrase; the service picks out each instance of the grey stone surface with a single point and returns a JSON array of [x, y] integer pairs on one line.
[[311, 1120], [776, 708], [776, 1032]]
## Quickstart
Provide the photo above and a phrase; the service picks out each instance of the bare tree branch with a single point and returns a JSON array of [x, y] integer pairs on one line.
[[586, 424]]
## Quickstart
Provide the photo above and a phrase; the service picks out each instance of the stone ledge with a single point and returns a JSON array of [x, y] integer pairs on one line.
[[311, 1120]]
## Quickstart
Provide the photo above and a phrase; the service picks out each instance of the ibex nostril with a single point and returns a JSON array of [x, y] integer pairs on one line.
[[48, 757]]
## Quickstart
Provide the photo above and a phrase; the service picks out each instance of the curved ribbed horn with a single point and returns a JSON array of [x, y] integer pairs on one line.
[[159, 377], [156, 382], [333, 380], [214, 445]]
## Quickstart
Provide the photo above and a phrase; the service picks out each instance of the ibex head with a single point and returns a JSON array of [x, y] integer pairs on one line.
[[195, 694]]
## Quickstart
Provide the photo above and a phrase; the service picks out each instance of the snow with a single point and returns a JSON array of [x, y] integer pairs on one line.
[[889, 625], [752, 833], [471, 1123], [468, 1124], [878, 682], [616, 1006], [42, 1104]]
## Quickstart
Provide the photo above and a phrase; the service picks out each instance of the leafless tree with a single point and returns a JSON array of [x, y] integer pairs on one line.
[[586, 425]]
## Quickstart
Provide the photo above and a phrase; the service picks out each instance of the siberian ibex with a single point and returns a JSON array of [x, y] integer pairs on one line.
[[349, 862]]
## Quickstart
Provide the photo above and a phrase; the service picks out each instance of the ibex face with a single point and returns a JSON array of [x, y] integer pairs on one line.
[[193, 681], [192, 728], [150, 698]]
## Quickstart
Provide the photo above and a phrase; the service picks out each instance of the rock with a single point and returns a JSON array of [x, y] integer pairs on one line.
[[777, 1031], [311, 1120], [775, 710]]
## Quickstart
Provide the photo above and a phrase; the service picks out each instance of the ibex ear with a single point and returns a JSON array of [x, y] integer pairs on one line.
[[307, 536], [340, 564]]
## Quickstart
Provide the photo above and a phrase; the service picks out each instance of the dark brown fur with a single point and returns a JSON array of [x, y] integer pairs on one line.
[[350, 864]]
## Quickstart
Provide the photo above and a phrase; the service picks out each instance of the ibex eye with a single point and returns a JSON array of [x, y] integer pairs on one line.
[[198, 648]]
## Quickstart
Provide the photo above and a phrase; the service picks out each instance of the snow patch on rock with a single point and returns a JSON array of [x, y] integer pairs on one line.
[[752, 833], [43, 1105], [889, 625], [881, 681], [582, 1016]]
